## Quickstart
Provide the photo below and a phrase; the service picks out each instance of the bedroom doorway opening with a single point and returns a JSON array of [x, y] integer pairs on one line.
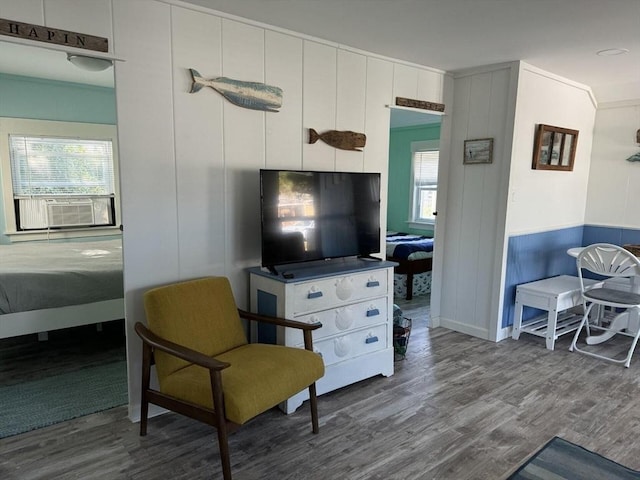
[[44, 91], [414, 146]]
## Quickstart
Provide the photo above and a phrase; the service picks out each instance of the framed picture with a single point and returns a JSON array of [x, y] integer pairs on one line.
[[478, 151], [554, 148]]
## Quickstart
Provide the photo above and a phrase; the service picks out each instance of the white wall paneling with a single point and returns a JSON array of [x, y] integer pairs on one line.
[[196, 43], [284, 132], [27, 11], [244, 152], [82, 16], [430, 86], [377, 119], [148, 186], [319, 97], [405, 82], [474, 197], [614, 141], [350, 105], [542, 200]]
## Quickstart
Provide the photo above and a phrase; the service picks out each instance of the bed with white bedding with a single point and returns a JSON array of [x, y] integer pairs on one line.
[[47, 286]]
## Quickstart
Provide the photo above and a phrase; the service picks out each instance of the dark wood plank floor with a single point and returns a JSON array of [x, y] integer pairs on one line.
[[457, 408]]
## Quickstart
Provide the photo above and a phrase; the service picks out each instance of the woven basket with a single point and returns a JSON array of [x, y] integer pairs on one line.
[[635, 249]]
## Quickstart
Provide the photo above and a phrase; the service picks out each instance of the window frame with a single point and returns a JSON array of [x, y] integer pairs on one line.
[[50, 128], [423, 146]]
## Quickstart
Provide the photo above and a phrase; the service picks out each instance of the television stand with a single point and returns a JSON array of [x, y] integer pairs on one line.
[[353, 299]]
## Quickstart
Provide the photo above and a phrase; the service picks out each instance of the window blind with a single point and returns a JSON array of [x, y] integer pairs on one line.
[[50, 166], [425, 172]]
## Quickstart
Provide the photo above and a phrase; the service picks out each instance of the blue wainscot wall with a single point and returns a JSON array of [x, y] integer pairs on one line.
[[541, 255]]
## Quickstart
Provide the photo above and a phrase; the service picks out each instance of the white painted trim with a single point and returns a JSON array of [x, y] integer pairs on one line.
[[414, 109], [266, 26], [64, 48], [457, 326], [558, 78], [620, 104], [504, 333], [547, 228], [482, 69]]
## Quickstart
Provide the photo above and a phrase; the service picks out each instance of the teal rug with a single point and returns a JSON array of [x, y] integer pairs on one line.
[[39, 403], [563, 460]]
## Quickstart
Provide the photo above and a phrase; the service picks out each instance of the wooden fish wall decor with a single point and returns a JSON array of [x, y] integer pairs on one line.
[[253, 95], [344, 140]]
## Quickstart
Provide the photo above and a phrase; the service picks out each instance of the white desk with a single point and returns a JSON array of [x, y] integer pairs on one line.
[[623, 321]]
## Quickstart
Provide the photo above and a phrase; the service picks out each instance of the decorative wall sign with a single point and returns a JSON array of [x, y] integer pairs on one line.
[[478, 151], [53, 35], [554, 148], [253, 95], [635, 157], [409, 102], [344, 140]]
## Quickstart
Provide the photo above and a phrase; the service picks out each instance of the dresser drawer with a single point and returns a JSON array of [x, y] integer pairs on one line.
[[343, 347], [341, 320], [327, 293]]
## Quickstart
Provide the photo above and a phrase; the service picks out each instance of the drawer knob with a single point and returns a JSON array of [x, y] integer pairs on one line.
[[372, 312], [373, 283], [371, 339]]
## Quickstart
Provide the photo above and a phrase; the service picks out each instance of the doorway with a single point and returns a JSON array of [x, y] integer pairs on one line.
[[412, 198], [40, 87]]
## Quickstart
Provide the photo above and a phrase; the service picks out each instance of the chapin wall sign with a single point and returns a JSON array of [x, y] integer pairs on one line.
[[53, 35]]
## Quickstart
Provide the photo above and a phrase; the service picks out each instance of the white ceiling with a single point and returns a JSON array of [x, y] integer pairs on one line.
[[559, 36]]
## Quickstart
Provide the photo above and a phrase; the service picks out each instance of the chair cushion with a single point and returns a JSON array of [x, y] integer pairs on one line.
[[260, 377], [199, 314], [613, 296]]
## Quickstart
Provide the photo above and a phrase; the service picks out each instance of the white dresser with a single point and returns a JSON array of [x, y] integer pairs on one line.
[[355, 307]]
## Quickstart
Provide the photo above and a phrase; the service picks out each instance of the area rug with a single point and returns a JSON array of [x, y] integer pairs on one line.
[[39, 403], [563, 460]]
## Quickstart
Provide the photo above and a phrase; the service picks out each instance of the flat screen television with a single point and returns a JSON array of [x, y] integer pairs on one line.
[[310, 215]]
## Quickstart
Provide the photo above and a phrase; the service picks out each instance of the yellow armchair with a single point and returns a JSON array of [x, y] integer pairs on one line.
[[206, 368]]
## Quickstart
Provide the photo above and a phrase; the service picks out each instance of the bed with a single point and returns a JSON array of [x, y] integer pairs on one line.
[[48, 286], [413, 253]]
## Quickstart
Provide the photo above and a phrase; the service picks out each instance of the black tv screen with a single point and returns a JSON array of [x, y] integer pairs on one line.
[[309, 216]]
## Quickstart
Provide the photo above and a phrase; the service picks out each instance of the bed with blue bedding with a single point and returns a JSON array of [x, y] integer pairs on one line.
[[413, 253]]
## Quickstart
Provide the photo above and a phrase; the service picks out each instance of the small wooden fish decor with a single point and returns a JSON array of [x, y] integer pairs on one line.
[[636, 157], [344, 140], [253, 95]]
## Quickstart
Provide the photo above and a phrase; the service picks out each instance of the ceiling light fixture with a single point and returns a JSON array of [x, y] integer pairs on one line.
[[610, 52], [91, 64]]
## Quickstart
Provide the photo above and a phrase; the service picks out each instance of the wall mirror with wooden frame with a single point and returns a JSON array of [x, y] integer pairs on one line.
[[554, 148]]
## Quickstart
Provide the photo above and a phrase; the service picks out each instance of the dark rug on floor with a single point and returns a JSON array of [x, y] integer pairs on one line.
[[46, 401], [563, 460]]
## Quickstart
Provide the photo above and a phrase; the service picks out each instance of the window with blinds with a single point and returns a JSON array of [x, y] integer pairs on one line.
[[62, 182], [425, 185]]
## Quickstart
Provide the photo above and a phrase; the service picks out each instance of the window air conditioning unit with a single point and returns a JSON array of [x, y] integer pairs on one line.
[[43, 213], [70, 213]]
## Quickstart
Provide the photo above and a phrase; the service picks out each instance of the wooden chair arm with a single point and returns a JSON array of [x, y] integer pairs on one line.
[[179, 351], [279, 321]]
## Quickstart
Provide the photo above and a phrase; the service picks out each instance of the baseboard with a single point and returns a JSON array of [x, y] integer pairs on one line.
[[464, 328]]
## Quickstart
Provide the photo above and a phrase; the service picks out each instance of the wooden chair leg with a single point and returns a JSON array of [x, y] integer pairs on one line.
[[313, 403], [146, 380], [223, 445]]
